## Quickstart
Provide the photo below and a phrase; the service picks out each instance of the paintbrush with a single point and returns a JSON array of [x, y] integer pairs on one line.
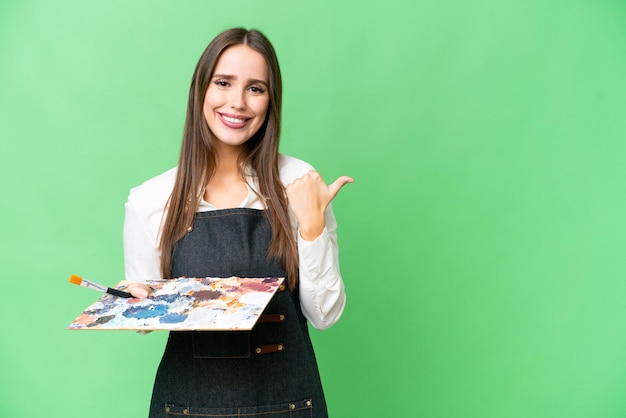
[[100, 288]]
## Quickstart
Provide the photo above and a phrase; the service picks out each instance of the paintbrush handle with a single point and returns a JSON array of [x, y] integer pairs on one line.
[[119, 293]]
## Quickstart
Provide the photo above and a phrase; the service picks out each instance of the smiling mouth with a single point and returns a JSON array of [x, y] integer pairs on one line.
[[234, 120]]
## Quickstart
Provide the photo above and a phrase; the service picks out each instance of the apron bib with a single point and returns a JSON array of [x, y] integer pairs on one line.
[[270, 371]]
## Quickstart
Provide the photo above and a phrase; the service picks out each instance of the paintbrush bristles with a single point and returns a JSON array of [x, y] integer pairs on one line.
[[76, 279]]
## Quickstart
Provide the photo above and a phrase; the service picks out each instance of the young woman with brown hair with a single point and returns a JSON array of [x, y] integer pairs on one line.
[[235, 206]]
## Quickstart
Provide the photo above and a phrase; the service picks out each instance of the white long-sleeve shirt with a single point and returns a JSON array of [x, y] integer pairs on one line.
[[322, 294]]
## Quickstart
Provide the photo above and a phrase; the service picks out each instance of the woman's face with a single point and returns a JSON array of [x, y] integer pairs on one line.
[[236, 102]]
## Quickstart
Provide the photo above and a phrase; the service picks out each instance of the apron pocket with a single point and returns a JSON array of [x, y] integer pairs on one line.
[[221, 344], [300, 409]]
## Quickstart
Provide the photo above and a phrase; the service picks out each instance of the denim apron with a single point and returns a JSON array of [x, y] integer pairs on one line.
[[268, 372]]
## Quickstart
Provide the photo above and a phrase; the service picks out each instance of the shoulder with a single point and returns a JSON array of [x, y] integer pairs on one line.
[[153, 193], [291, 168]]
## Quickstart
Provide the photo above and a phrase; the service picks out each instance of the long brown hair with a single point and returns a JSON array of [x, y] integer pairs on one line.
[[197, 160]]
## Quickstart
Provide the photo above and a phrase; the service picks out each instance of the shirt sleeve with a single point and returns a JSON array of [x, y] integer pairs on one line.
[[322, 293], [141, 256]]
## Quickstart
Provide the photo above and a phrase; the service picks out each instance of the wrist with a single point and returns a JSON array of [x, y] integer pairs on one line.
[[312, 229]]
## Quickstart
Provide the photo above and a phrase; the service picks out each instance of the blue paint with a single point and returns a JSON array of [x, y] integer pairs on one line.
[[165, 298], [143, 312], [172, 318], [186, 288]]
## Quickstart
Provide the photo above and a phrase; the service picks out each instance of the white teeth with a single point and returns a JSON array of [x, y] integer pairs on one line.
[[233, 120]]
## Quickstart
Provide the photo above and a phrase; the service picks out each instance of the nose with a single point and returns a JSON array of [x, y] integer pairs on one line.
[[238, 99]]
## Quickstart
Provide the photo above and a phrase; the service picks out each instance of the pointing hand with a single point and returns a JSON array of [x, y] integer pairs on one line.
[[309, 196]]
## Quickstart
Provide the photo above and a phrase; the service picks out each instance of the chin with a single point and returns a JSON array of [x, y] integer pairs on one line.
[[233, 142]]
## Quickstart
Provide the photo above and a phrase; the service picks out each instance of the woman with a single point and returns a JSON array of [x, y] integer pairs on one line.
[[234, 206]]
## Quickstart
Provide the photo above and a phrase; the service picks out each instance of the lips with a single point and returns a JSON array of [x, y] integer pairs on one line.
[[234, 121]]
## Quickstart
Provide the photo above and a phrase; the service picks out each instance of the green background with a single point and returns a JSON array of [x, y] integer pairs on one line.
[[482, 244]]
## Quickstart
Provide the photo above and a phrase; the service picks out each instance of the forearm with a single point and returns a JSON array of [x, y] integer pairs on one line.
[[322, 293]]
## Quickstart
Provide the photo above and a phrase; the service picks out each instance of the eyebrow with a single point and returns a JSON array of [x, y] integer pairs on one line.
[[232, 77]]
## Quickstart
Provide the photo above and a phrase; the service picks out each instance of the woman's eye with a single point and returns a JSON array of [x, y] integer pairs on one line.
[[221, 83], [257, 89]]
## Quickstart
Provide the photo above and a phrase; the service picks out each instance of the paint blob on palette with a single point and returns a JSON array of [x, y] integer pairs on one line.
[[207, 304]]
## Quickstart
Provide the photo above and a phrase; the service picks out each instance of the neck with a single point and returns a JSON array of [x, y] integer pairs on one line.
[[227, 161], [227, 187]]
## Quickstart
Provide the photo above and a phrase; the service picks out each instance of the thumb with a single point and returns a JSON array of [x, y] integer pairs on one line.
[[138, 290], [338, 184]]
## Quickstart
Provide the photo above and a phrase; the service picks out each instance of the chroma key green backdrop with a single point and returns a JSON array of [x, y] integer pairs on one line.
[[482, 244]]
